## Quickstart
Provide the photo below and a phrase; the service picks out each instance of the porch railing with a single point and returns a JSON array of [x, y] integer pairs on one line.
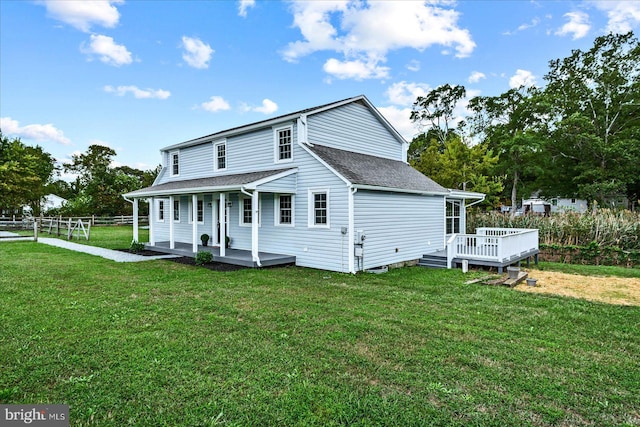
[[492, 244]]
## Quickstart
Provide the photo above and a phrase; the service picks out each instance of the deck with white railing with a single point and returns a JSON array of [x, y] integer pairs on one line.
[[497, 247]]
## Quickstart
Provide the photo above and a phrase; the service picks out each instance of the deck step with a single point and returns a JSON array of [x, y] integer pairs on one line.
[[433, 261]]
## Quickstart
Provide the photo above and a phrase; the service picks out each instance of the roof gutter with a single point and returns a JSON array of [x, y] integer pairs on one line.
[[399, 190]]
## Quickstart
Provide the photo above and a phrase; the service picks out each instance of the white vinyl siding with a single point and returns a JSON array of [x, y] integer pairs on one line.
[[353, 127], [399, 227]]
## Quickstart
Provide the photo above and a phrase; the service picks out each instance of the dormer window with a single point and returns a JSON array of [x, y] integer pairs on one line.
[[283, 144], [174, 159]]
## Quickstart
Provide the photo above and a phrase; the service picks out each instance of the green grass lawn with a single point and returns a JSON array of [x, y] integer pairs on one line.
[[162, 344]]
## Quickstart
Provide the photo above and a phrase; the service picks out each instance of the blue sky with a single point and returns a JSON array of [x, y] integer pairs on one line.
[[140, 75]]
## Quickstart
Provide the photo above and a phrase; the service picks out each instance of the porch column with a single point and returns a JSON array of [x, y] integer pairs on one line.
[[214, 221], [222, 206], [194, 216], [255, 217], [135, 219], [172, 244], [152, 212]]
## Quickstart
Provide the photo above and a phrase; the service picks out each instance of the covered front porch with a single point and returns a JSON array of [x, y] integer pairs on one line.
[[231, 256], [238, 209]]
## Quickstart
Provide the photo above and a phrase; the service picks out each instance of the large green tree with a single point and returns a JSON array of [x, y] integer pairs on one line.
[[594, 149], [25, 172], [513, 125], [100, 185]]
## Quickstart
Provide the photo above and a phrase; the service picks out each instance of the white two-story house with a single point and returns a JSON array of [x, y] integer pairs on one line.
[[327, 187]]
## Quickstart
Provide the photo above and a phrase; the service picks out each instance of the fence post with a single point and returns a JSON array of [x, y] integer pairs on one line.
[[35, 230]]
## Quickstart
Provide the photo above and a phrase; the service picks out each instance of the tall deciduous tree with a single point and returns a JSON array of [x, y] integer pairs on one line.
[[24, 173], [511, 124], [436, 110], [596, 99]]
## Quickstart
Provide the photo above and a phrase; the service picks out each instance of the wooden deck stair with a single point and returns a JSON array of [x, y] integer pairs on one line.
[[434, 260]]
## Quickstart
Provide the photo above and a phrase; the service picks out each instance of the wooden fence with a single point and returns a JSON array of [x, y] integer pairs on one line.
[[17, 222]]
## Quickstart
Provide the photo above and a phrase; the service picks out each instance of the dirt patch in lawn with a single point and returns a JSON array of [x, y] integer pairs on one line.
[[611, 290]]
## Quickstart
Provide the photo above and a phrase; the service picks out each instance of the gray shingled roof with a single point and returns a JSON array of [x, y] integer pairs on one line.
[[375, 171], [223, 181]]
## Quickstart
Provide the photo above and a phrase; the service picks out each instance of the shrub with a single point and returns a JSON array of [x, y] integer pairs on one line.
[[203, 257], [136, 247]]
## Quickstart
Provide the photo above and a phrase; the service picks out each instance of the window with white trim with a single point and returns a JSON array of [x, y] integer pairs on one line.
[[161, 210], [453, 216], [174, 160], [199, 211], [319, 208], [220, 156], [176, 210], [283, 144], [246, 213], [284, 210]]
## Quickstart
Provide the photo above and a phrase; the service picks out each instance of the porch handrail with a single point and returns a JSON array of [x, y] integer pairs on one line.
[[492, 244]]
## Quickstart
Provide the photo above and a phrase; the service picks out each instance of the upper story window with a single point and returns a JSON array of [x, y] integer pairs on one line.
[[174, 159], [283, 144], [319, 208], [284, 209], [220, 156]]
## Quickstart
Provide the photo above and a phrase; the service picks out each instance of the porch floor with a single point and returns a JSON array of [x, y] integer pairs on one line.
[[457, 262], [233, 256]]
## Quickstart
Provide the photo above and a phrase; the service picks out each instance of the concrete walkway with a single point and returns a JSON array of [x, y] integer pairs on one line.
[[116, 256]]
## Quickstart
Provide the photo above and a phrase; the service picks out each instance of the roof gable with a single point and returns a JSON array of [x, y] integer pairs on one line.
[[287, 118], [371, 171]]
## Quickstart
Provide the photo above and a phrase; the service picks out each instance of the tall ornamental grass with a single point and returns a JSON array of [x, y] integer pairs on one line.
[[607, 228]]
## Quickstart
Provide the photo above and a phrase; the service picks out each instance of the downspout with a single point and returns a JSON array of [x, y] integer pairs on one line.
[[135, 217], [351, 232], [254, 224]]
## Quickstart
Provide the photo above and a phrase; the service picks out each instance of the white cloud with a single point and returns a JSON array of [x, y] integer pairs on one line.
[[367, 31], [356, 69], [413, 65], [197, 53], [107, 50], [267, 107], [522, 78], [34, 132], [400, 120], [83, 14], [215, 103], [476, 76], [244, 5], [624, 16], [138, 93], [534, 22], [578, 25], [405, 94]]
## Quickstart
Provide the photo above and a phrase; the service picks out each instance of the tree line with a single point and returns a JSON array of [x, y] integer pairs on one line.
[[28, 174], [577, 137]]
